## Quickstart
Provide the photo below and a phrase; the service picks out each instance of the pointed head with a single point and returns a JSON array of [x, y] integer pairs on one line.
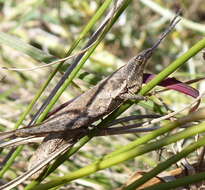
[[135, 68]]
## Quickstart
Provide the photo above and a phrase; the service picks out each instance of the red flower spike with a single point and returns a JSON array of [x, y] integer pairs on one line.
[[174, 84]]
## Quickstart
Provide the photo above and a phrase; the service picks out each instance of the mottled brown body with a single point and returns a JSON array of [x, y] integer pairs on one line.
[[93, 104]]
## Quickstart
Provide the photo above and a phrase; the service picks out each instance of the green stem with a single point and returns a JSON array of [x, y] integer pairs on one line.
[[10, 161]]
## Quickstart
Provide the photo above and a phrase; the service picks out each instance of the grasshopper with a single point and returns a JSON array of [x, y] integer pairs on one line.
[[66, 126]]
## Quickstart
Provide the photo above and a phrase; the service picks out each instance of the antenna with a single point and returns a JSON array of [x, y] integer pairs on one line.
[[172, 24]]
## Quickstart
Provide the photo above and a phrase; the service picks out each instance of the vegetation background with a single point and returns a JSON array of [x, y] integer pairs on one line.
[[52, 26]]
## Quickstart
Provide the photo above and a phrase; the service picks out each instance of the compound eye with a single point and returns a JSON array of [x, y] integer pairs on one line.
[[139, 58]]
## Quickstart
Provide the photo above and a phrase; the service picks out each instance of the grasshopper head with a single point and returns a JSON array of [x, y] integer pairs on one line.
[[142, 58]]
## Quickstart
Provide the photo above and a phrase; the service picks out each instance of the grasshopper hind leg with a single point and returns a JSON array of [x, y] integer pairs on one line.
[[49, 146]]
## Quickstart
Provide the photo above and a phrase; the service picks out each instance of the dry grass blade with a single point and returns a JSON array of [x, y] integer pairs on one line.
[[49, 64], [32, 171], [21, 141]]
